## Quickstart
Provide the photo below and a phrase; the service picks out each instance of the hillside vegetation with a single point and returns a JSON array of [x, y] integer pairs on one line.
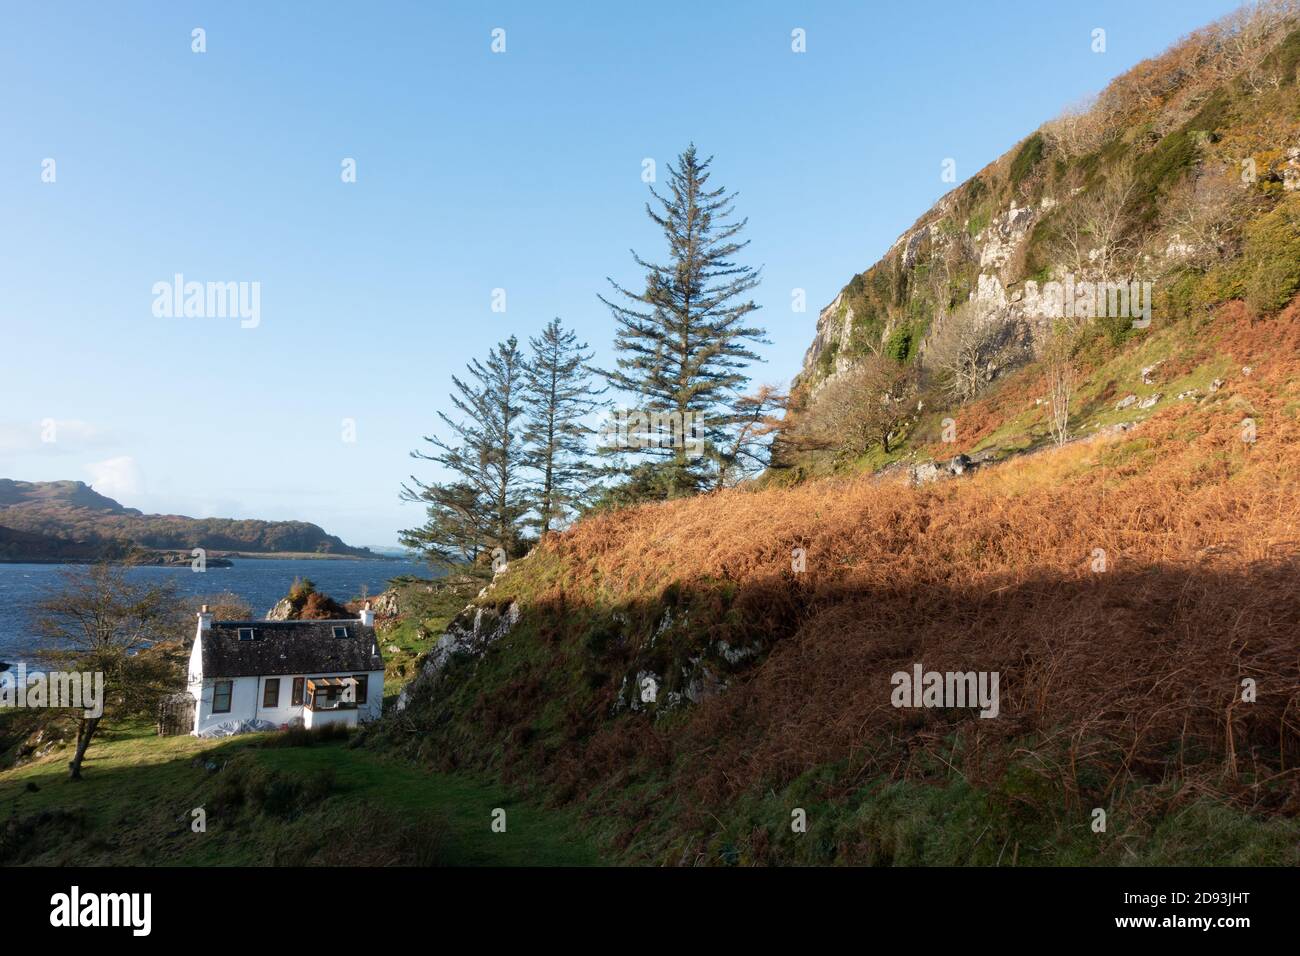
[[1120, 688], [1184, 173], [696, 674]]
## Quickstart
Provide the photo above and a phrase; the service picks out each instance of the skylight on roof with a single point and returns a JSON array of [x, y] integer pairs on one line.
[[340, 630], [246, 634]]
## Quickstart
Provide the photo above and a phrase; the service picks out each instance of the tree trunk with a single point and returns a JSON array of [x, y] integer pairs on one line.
[[85, 730]]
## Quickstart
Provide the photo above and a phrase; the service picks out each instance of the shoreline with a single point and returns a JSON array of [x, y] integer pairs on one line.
[[223, 559]]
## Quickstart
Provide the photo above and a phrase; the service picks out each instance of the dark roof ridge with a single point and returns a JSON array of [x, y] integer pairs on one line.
[[296, 620]]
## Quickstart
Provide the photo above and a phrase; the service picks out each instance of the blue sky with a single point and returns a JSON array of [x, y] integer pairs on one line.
[[475, 171]]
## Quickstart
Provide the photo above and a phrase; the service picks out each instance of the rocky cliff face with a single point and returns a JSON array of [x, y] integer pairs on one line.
[[1166, 180]]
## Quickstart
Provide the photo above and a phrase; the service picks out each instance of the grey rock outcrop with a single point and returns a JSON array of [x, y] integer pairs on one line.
[[386, 604], [282, 611], [471, 632]]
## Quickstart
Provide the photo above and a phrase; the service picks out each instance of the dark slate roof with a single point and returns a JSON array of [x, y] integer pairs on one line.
[[289, 647]]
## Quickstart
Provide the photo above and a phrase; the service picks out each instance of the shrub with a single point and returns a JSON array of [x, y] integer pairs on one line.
[[899, 345], [1027, 157], [1273, 257], [246, 784], [300, 589], [322, 607], [863, 407]]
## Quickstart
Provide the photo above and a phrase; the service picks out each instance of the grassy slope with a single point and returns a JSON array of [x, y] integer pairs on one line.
[[134, 807], [427, 610]]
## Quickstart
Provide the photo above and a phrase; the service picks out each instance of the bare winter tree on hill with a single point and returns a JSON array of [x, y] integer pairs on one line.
[[482, 508], [559, 398], [748, 447], [1094, 234], [866, 406], [968, 350], [683, 342]]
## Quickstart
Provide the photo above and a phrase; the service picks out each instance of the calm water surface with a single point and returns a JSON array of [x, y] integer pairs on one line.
[[259, 581]]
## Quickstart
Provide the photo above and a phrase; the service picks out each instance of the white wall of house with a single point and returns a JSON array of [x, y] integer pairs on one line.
[[248, 694], [319, 718]]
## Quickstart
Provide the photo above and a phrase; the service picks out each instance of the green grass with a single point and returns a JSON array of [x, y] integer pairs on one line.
[[427, 609], [135, 805], [952, 823]]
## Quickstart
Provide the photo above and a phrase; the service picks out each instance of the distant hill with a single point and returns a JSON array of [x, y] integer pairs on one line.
[[27, 546], [76, 494], [53, 520]]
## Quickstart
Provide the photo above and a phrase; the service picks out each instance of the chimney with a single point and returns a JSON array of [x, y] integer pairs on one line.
[[367, 616], [205, 619]]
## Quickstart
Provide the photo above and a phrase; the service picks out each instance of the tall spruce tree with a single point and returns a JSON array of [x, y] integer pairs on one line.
[[481, 509], [683, 343], [558, 396]]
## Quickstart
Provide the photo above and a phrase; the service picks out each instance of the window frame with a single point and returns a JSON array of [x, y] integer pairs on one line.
[[298, 694], [266, 693], [344, 629], [363, 689], [252, 634], [230, 695]]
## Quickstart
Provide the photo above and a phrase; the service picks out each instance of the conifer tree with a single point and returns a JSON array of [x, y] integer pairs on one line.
[[683, 343], [559, 397], [481, 509]]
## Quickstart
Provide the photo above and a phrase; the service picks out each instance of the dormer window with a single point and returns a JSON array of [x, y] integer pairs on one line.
[[340, 630], [246, 634]]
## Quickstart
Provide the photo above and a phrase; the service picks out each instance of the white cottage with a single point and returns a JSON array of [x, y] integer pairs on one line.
[[285, 672]]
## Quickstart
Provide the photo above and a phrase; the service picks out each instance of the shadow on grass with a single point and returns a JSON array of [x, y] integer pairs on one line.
[[328, 804]]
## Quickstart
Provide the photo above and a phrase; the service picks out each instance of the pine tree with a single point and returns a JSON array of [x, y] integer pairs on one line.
[[558, 395], [481, 510], [683, 343]]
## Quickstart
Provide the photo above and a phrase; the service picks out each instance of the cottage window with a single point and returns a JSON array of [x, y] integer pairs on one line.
[[246, 634], [271, 692], [221, 696], [296, 699], [340, 631], [361, 680], [331, 693]]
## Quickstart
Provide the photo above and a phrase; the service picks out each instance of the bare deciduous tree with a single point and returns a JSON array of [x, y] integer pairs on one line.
[[968, 350], [1079, 129], [100, 621], [1202, 210], [1060, 382], [755, 423], [1244, 38], [864, 406], [1093, 235]]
